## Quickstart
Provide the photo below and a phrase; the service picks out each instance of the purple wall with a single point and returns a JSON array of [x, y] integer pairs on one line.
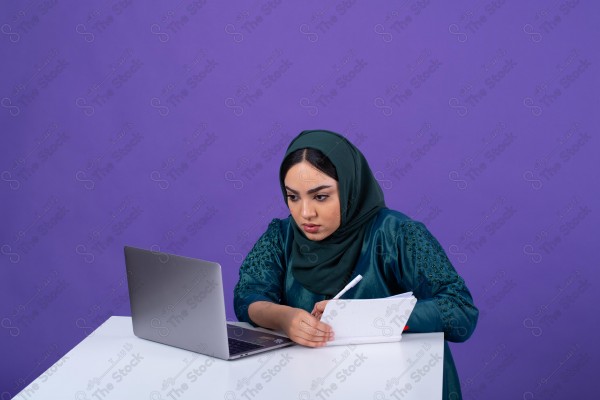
[[162, 124]]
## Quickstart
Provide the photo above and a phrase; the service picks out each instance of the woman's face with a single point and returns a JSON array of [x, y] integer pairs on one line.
[[313, 200]]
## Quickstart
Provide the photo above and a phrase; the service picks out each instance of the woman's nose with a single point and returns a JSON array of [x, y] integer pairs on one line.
[[308, 211]]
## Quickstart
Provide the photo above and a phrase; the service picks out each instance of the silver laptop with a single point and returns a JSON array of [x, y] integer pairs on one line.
[[179, 301]]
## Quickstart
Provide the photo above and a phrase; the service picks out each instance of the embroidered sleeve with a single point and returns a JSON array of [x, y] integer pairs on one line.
[[261, 273], [444, 302]]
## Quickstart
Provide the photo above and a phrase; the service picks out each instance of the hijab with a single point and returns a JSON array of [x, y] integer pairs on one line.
[[325, 266]]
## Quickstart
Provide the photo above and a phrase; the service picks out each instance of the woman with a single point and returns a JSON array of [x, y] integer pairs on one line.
[[339, 228]]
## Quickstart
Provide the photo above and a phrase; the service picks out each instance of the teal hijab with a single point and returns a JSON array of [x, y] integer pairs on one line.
[[325, 266]]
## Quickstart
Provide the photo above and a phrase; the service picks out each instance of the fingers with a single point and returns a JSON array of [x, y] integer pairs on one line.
[[309, 331], [318, 314], [305, 329], [316, 329], [314, 310], [319, 308]]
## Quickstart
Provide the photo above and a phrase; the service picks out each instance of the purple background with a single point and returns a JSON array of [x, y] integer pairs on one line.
[[162, 124]]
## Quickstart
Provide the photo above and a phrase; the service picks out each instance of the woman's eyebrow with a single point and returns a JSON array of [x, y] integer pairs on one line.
[[314, 190], [310, 191]]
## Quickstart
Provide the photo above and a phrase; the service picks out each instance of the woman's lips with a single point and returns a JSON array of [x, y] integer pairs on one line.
[[310, 228]]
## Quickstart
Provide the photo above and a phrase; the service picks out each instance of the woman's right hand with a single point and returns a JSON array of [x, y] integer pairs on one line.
[[299, 325], [304, 328]]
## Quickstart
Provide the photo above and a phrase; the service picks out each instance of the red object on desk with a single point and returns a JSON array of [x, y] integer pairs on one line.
[[405, 328]]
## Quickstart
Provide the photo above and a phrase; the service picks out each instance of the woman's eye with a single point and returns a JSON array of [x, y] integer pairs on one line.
[[292, 197], [321, 197]]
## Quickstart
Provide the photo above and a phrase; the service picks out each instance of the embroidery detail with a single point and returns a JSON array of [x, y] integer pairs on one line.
[[434, 270], [257, 266]]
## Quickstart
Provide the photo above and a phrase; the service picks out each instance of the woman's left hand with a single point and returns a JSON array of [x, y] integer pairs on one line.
[[319, 308]]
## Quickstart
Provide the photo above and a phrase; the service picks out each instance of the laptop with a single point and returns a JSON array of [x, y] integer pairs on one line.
[[178, 301]]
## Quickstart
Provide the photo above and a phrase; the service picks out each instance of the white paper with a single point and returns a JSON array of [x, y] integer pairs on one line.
[[359, 321]]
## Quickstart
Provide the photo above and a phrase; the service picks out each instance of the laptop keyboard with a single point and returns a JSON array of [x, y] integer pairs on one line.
[[239, 346]]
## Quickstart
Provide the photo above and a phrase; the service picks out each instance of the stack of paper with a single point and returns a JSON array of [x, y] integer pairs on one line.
[[358, 321]]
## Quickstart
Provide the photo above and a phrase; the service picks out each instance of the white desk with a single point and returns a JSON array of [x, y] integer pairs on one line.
[[112, 363]]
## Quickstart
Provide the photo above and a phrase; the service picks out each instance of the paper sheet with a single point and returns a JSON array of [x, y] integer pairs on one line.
[[359, 321]]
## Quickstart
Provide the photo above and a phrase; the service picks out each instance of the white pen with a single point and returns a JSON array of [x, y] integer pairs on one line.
[[348, 287]]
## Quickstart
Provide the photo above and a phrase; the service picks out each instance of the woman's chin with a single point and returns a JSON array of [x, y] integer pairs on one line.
[[316, 237]]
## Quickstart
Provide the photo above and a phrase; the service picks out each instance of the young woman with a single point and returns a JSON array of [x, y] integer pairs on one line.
[[339, 228]]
